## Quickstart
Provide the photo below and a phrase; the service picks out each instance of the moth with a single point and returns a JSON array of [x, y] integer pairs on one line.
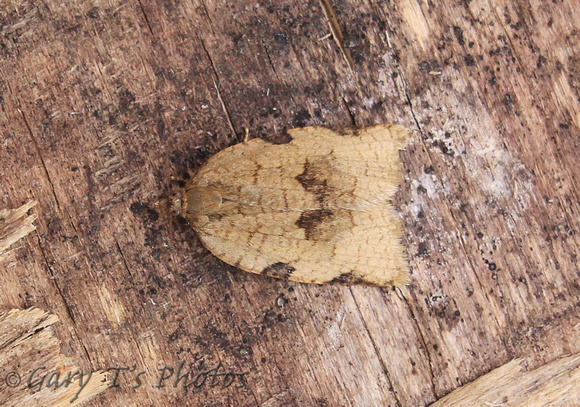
[[310, 204]]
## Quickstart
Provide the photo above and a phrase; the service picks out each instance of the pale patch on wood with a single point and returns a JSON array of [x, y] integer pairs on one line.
[[14, 225], [27, 343], [565, 98], [413, 15], [310, 205], [114, 309], [554, 384]]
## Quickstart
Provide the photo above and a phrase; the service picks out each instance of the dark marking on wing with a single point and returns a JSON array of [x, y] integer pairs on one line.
[[312, 222], [347, 278], [350, 131], [256, 174], [278, 138], [314, 179], [279, 270], [215, 217]]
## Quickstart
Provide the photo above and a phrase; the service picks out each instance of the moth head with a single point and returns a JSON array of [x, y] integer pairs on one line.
[[172, 199], [200, 201]]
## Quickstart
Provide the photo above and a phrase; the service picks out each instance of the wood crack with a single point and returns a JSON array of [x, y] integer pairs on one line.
[[216, 84], [276, 72], [39, 151], [351, 115], [377, 352], [336, 32], [145, 16], [421, 338], [64, 301]]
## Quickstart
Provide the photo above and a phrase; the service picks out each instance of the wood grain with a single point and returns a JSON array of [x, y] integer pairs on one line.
[[555, 384], [30, 358], [102, 104]]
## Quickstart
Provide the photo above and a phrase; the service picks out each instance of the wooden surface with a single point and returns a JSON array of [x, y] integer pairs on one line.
[[30, 356], [554, 384], [102, 103]]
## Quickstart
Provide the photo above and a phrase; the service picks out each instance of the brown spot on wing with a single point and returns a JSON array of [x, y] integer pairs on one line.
[[312, 221], [347, 278], [256, 174], [314, 179], [346, 131], [282, 137], [279, 270]]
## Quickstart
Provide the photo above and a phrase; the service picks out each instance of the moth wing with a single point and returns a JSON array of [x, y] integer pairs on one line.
[[314, 209], [353, 247]]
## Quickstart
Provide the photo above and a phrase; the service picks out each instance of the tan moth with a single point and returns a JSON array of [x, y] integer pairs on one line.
[[310, 204]]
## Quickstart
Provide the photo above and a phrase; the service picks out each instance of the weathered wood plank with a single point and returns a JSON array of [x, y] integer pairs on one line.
[[101, 103], [555, 384], [30, 357]]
